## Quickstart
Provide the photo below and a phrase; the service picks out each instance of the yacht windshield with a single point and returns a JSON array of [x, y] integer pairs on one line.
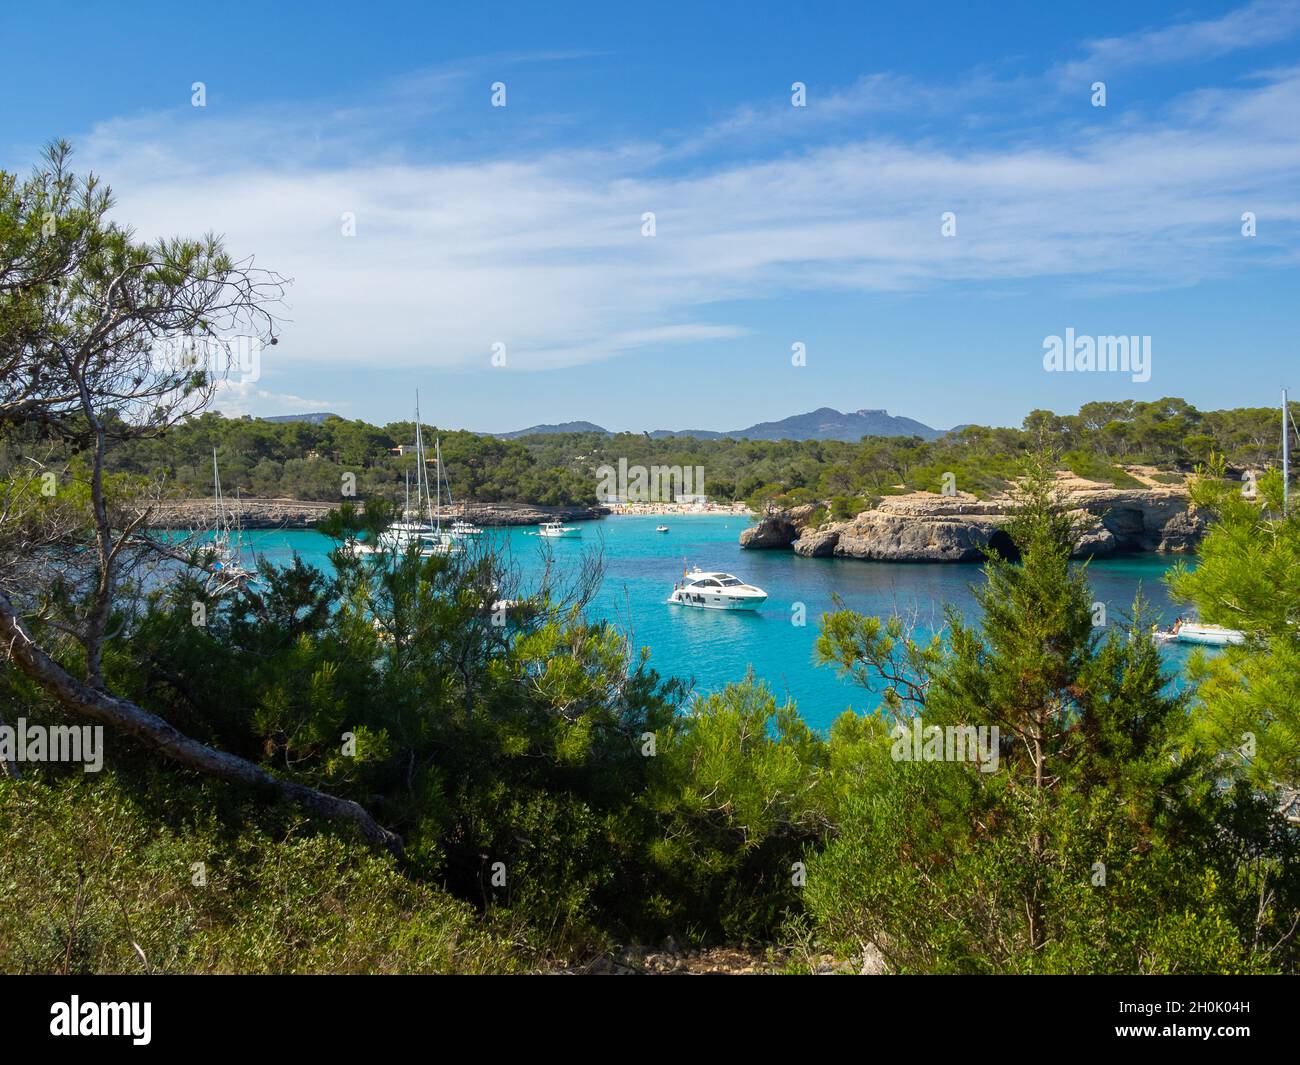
[[728, 582]]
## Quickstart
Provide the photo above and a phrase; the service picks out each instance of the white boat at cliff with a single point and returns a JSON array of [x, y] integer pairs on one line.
[[1206, 635], [553, 530], [716, 591], [1197, 632]]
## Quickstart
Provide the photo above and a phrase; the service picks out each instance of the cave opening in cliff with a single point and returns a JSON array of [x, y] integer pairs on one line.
[[1001, 543]]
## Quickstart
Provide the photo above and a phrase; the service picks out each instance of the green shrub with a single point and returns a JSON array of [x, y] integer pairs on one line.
[[96, 882], [1093, 468]]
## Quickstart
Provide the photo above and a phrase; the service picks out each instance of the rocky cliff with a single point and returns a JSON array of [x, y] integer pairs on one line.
[[922, 527]]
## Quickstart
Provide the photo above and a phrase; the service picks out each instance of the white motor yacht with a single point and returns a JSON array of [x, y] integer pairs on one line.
[[716, 591], [556, 530]]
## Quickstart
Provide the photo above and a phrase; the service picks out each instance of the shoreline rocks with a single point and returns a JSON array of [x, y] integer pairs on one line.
[[923, 527], [253, 512]]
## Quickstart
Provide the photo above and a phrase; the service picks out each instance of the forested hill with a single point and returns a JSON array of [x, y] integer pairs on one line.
[[824, 423], [305, 459]]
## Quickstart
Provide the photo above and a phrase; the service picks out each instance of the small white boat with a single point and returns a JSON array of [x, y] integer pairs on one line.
[[439, 543], [1208, 635], [460, 528], [557, 530], [429, 539], [400, 534], [361, 548], [226, 575], [661, 528], [1196, 632], [716, 591]]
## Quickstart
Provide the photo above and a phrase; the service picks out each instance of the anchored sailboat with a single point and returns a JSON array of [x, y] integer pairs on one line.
[[227, 539], [425, 532], [460, 528]]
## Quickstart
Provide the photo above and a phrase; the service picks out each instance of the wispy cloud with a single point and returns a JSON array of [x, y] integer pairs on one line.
[[543, 251], [1262, 22], [235, 398]]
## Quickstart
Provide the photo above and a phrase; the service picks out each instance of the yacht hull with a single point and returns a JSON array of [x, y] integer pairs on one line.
[[716, 601], [1209, 635]]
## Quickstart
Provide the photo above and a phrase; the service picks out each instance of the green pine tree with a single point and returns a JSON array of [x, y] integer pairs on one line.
[[1084, 845], [1248, 578]]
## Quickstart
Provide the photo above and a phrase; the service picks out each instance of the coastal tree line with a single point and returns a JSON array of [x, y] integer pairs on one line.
[[307, 460]]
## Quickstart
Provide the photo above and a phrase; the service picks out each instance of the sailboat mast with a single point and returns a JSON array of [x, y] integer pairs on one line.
[[437, 474], [216, 491], [421, 474], [445, 478], [1286, 457], [238, 525]]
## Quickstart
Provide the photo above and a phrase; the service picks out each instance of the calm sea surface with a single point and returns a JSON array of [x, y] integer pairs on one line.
[[715, 647]]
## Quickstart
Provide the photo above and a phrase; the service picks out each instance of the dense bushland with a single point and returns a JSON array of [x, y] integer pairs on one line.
[[1106, 840], [419, 764], [557, 797], [304, 460]]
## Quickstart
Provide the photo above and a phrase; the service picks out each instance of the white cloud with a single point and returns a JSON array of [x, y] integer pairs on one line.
[[545, 254], [1256, 24], [235, 398]]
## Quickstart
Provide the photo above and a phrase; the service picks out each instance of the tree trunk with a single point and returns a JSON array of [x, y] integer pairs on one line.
[[157, 733], [9, 767], [1037, 937]]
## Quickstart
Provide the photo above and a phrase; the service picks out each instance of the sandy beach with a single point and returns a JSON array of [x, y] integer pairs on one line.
[[680, 510]]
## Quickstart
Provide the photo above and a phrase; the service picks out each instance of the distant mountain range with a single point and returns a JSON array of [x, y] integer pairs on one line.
[[821, 424], [824, 423], [314, 419], [561, 427]]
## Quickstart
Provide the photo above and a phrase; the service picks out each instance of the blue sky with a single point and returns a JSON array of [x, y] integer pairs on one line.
[[774, 225]]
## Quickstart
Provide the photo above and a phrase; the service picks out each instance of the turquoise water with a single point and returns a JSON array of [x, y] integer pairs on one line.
[[714, 647]]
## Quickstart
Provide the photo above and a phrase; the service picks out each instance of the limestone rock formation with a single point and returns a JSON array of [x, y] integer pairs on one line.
[[923, 527], [779, 528]]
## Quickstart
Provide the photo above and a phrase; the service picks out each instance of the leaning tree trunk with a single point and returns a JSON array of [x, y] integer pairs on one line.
[[155, 732]]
